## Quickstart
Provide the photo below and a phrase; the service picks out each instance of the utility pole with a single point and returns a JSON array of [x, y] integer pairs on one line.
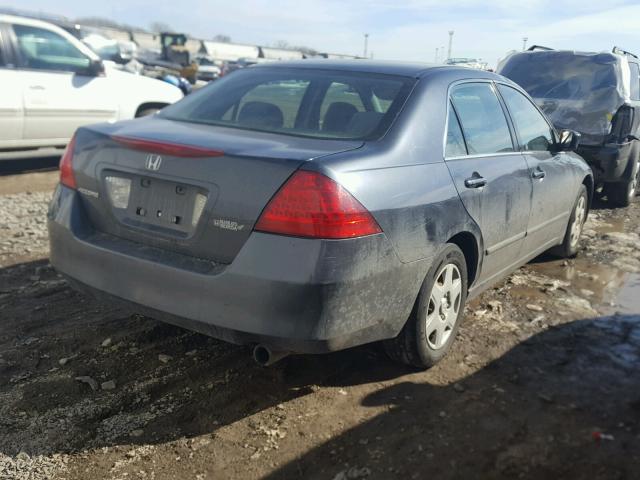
[[366, 44], [451, 32], [524, 43], [436, 58]]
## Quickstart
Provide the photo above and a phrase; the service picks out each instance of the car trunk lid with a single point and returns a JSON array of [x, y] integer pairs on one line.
[[193, 189]]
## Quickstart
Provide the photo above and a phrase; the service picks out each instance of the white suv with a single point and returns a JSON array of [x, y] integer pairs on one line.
[[52, 83]]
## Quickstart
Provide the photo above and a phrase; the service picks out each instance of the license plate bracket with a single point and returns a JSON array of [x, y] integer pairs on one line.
[[162, 206]]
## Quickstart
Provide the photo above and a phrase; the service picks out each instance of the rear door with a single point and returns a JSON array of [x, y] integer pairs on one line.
[[58, 97], [551, 173], [491, 177], [11, 112]]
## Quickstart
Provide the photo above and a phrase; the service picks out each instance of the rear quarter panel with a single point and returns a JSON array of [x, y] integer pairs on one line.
[[403, 180]]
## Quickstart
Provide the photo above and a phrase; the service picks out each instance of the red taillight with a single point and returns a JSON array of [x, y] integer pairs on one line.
[[312, 205], [167, 148], [67, 178]]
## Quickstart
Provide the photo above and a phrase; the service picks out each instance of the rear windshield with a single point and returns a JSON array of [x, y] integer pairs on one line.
[[561, 75], [301, 102]]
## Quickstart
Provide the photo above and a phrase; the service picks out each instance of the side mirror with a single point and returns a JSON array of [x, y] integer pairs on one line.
[[95, 68], [569, 141]]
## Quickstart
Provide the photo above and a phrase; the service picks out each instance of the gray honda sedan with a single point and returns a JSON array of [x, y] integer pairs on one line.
[[313, 206]]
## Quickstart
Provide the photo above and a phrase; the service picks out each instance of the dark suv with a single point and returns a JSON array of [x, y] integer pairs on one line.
[[596, 94]]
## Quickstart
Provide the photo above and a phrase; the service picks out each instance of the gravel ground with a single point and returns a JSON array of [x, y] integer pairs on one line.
[[23, 229], [541, 383]]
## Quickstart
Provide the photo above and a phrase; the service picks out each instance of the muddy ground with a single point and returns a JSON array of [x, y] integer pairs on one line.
[[543, 381]]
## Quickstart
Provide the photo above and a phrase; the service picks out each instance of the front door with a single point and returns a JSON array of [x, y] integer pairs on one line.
[[491, 177], [58, 96], [552, 177], [11, 111]]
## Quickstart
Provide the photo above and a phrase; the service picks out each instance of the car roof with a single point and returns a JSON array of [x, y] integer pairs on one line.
[[564, 53], [29, 22], [26, 21], [407, 69]]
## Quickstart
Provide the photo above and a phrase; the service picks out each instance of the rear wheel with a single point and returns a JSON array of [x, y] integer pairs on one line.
[[623, 193], [569, 246], [430, 330]]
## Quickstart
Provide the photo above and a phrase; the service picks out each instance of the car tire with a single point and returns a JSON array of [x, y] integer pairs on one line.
[[434, 321], [569, 246], [623, 193]]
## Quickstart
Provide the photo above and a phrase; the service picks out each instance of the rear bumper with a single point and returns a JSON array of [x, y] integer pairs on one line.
[[301, 295], [608, 162]]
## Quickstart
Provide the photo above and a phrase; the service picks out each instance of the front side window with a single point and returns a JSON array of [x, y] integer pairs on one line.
[[43, 49], [482, 119], [301, 102], [533, 130]]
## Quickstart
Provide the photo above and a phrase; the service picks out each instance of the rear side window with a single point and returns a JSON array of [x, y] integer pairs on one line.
[[455, 140], [482, 119], [298, 101], [534, 132], [42, 49], [635, 81]]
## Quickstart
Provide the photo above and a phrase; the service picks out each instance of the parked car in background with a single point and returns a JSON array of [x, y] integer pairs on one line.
[[466, 62], [106, 48], [207, 69], [316, 205], [52, 84], [596, 94]]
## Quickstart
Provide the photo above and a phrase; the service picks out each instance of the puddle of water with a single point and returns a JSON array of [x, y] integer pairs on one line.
[[610, 225], [607, 288], [628, 299]]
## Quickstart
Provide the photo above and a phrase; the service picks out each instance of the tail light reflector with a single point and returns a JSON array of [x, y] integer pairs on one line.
[[167, 148], [67, 177], [312, 205]]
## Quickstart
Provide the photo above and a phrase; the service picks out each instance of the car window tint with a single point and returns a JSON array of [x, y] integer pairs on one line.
[[455, 141], [284, 95], [482, 119], [341, 102], [298, 101], [46, 50], [533, 130], [635, 81]]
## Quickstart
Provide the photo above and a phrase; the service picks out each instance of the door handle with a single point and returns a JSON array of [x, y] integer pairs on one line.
[[539, 174], [475, 182]]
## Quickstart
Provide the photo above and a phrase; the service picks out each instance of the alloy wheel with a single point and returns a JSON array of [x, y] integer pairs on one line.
[[444, 306], [635, 182], [579, 217]]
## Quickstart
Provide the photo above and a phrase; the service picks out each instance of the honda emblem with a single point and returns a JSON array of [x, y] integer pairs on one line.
[[153, 162]]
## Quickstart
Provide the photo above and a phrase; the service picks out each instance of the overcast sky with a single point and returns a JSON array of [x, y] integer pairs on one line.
[[399, 30]]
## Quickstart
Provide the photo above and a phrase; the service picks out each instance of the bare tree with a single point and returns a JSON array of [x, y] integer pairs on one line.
[[222, 38], [306, 50], [159, 27]]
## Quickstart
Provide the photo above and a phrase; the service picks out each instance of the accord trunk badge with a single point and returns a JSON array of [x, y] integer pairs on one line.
[[153, 162]]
